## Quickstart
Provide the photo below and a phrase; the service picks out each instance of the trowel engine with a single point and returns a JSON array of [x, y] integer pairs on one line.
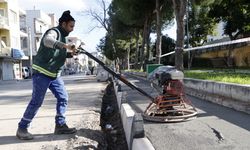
[[171, 104]]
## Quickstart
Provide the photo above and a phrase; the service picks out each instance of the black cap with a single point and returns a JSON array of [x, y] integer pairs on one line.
[[66, 17]]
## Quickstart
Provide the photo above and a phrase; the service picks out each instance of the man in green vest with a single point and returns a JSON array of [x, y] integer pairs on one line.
[[47, 67]]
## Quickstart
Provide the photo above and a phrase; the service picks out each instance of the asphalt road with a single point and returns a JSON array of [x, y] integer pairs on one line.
[[197, 134], [85, 97]]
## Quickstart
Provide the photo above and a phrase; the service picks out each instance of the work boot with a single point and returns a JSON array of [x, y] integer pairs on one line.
[[23, 134], [64, 129]]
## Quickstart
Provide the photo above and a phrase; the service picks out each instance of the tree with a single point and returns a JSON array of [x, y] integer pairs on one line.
[[102, 19], [130, 20], [105, 47], [200, 25], [138, 14], [164, 16], [180, 11], [235, 14], [167, 46], [158, 32]]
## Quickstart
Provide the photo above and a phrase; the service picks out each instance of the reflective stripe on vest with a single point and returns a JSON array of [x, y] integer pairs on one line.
[[44, 71]]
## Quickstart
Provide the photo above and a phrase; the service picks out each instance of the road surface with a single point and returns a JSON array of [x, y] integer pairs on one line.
[[202, 133], [83, 113]]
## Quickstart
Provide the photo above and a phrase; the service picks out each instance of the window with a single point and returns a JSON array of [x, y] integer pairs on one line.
[[2, 12], [3, 41], [2, 17], [13, 17], [14, 41], [24, 43]]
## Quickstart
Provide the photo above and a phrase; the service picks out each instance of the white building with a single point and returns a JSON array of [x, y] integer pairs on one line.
[[37, 22], [10, 64], [219, 35], [78, 63]]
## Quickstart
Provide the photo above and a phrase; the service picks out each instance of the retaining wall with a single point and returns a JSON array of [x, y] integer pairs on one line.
[[227, 94]]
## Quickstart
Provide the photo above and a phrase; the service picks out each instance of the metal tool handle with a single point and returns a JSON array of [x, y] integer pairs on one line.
[[118, 76]]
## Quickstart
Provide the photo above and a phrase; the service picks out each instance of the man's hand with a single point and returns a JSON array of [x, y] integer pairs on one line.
[[71, 47]]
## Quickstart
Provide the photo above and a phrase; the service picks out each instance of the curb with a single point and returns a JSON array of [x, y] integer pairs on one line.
[[132, 123]]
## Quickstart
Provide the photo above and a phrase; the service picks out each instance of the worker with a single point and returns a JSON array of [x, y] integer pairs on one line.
[[47, 67]]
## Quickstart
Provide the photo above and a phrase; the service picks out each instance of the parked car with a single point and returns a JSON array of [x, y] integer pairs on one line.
[[25, 72], [102, 75]]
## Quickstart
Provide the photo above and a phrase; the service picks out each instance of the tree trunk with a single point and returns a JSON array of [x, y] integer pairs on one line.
[[145, 28], [128, 55], [158, 32], [147, 43], [137, 47], [179, 9]]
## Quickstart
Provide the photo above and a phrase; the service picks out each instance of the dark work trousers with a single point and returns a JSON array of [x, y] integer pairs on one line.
[[41, 83]]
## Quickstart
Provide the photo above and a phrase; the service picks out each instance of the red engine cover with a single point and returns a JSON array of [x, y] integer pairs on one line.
[[174, 87]]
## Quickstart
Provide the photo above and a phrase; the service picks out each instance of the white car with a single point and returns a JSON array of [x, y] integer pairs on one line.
[[102, 75], [25, 72]]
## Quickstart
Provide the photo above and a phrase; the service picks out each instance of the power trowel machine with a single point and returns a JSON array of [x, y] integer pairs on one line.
[[170, 105]]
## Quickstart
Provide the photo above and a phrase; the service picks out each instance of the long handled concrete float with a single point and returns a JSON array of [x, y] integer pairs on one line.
[[170, 106]]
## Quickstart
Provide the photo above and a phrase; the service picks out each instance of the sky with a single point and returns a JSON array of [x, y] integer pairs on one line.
[[83, 23]]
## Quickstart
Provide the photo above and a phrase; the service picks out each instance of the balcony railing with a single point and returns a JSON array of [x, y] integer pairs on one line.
[[4, 22], [5, 51]]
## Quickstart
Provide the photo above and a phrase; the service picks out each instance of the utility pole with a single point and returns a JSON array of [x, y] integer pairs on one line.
[[30, 49]]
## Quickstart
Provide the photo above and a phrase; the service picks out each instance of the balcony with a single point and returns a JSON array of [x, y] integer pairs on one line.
[[4, 23], [5, 51]]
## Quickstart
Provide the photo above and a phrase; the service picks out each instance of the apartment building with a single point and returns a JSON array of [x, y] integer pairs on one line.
[[37, 22], [11, 54], [20, 35], [34, 23]]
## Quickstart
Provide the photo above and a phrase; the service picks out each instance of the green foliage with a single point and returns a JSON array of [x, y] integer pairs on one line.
[[167, 45], [112, 45], [240, 78], [127, 19], [105, 47], [167, 15], [199, 23], [133, 12], [235, 14]]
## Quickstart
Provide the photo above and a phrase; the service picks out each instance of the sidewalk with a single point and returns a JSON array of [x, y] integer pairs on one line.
[[4, 82], [83, 113]]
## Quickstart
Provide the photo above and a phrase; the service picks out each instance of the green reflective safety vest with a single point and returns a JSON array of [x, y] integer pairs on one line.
[[49, 61]]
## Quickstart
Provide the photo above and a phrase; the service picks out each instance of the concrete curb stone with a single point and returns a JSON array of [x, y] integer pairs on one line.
[[132, 124]]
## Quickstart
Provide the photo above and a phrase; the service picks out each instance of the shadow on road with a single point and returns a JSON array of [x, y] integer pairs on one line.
[[4, 140], [237, 118]]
